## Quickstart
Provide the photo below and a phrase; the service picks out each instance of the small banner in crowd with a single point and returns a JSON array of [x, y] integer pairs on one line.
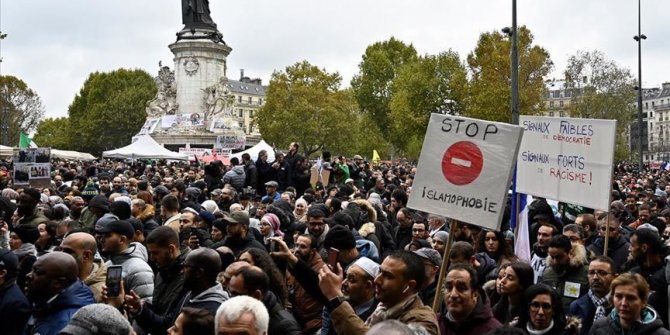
[[32, 167]]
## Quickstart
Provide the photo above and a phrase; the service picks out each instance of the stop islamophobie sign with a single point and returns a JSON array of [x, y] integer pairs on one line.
[[465, 169]]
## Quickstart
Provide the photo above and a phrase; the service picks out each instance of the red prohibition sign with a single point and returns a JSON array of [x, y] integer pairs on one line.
[[462, 163]]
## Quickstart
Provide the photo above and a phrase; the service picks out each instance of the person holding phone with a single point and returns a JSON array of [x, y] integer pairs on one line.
[[56, 293]]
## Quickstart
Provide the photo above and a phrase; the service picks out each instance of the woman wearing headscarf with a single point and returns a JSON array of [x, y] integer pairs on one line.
[[270, 228]]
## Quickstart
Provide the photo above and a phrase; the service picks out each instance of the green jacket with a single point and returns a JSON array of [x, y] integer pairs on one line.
[[572, 281]]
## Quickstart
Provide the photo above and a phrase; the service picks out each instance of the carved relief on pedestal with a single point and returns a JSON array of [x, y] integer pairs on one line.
[[191, 65]]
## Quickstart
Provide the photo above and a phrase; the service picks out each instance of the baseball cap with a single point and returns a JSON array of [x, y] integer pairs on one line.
[[8, 260], [121, 227], [241, 217]]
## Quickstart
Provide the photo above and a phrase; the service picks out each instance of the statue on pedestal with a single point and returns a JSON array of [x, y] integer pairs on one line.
[[165, 102], [195, 14]]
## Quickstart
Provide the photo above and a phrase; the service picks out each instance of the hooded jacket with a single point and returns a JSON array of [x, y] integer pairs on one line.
[[137, 274], [235, 177], [51, 317], [487, 267], [281, 321], [650, 324], [209, 299], [573, 276], [617, 250], [480, 321], [33, 219], [14, 308], [96, 280]]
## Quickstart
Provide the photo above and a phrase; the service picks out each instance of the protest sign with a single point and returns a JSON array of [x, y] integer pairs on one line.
[[465, 169], [567, 159], [32, 167]]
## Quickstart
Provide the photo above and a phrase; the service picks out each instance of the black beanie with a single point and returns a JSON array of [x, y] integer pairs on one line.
[[339, 237], [28, 233], [121, 209]]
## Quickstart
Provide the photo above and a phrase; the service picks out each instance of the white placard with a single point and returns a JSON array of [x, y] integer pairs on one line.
[[567, 159], [465, 169]]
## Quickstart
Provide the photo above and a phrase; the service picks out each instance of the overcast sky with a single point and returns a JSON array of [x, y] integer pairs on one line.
[[53, 45]]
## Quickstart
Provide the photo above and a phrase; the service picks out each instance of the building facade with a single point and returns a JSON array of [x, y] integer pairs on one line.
[[249, 98], [656, 113], [557, 99]]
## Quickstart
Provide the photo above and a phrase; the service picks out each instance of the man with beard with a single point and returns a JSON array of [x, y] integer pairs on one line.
[[138, 275], [77, 205], [56, 293], [403, 232], [647, 252], [358, 289], [396, 287], [595, 304], [228, 198], [306, 308], [117, 186], [27, 208], [538, 260], [157, 316], [104, 182], [568, 269], [468, 309], [239, 237], [93, 272], [617, 247], [316, 226]]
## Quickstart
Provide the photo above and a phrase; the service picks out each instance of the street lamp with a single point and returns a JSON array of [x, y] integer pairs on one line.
[[512, 32], [639, 37]]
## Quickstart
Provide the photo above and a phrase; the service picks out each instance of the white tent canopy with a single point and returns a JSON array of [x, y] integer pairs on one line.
[[253, 151], [6, 152], [73, 155], [144, 148]]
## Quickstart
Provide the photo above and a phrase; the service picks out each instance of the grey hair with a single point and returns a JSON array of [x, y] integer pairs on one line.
[[140, 202], [232, 310], [440, 218]]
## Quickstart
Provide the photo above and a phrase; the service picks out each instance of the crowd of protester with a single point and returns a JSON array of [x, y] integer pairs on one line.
[[255, 248]]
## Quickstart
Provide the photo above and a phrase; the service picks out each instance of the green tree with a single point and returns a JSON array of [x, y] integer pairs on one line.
[[601, 89], [109, 109], [432, 84], [305, 104], [490, 70], [20, 108], [53, 133], [373, 85]]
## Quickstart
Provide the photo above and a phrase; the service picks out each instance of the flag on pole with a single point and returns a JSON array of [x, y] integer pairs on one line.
[[375, 157], [24, 141], [522, 243]]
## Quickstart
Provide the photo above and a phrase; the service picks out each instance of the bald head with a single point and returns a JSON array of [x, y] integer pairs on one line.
[[207, 259], [80, 242], [232, 270], [51, 274]]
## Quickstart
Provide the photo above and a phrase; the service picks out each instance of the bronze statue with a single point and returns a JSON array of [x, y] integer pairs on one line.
[[195, 14]]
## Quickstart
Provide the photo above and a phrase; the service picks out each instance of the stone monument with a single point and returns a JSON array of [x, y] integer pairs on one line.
[[193, 104]]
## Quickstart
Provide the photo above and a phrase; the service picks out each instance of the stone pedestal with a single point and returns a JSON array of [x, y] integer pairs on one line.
[[198, 64]]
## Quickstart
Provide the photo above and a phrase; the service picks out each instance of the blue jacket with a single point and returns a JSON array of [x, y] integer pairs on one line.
[[584, 309], [51, 318], [14, 309]]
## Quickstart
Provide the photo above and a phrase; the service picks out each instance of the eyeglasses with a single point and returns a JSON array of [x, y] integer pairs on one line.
[[535, 306], [599, 273]]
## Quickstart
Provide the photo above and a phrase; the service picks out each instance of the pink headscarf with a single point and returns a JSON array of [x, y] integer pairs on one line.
[[273, 220]]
